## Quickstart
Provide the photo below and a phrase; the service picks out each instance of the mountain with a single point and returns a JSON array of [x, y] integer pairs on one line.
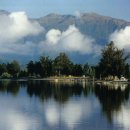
[[97, 26], [4, 12], [94, 25]]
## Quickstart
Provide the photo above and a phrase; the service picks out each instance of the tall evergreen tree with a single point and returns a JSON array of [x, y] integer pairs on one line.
[[113, 61], [31, 68], [46, 64]]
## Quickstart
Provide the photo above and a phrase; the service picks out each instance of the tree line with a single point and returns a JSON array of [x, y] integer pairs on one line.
[[59, 66], [46, 67], [113, 62]]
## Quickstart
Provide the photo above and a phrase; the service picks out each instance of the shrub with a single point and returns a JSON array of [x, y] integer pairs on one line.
[[6, 75]]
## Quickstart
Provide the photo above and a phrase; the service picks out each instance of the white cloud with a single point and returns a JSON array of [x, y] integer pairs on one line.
[[13, 29], [78, 14], [16, 26], [121, 38], [70, 40], [53, 36]]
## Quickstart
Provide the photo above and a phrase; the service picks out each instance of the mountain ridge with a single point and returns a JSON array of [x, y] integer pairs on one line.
[[96, 26]]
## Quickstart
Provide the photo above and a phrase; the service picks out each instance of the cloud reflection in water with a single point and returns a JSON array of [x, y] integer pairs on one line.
[[70, 113], [21, 113], [122, 118]]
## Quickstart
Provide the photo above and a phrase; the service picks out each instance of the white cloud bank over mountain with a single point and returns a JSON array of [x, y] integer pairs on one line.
[[15, 27], [70, 40], [121, 38]]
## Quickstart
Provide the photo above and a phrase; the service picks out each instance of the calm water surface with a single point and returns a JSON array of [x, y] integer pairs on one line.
[[42, 105]]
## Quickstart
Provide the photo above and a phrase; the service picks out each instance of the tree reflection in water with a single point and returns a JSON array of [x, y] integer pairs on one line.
[[61, 105], [60, 91], [111, 97], [72, 101], [10, 87]]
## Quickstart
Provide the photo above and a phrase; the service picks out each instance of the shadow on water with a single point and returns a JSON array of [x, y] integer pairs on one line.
[[111, 97]]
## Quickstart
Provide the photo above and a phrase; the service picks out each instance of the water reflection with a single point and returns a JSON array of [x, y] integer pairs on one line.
[[60, 92], [43, 105], [112, 97], [61, 106], [122, 117], [114, 85], [9, 87], [71, 113]]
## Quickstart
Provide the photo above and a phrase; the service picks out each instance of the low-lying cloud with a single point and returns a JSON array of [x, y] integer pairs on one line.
[[70, 40], [78, 14], [121, 38], [16, 27], [13, 29]]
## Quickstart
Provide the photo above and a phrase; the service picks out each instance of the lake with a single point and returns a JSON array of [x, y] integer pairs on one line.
[[45, 105]]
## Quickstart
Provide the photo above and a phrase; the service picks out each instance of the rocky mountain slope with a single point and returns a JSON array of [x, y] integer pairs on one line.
[[97, 26]]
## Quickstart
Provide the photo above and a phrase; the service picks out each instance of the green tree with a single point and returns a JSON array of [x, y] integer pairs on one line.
[[62, 64], [113, 61], [77, 70], [31, 68], [38, 69], [127, 72], [23, 73], [46, 64], [13, 68], [3, 68]]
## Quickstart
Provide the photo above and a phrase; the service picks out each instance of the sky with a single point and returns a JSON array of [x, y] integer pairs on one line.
[[38, 8]]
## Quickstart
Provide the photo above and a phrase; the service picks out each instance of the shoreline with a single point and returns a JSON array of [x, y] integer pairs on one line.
[[65, 79], [49, 78]]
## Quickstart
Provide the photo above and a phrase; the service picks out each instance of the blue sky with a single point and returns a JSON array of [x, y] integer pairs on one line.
[[38, 8]]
